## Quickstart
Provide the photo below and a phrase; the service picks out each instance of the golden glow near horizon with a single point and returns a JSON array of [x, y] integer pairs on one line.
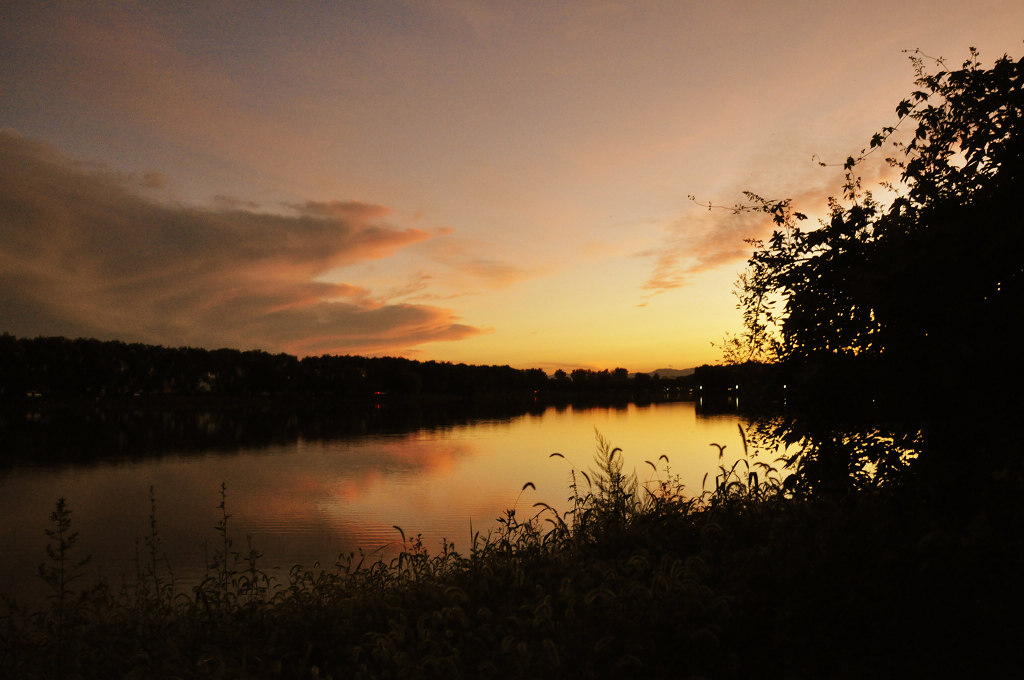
[[313, 500], [477, 182]]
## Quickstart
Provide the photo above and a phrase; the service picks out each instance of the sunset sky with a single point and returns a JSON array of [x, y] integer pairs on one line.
[[479, 182]]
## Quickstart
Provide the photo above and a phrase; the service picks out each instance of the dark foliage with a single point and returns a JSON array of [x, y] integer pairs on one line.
[[63, 370], [896, 319], [80, 400]]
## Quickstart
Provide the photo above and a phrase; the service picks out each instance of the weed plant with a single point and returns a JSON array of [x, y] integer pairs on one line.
[[634, 579]]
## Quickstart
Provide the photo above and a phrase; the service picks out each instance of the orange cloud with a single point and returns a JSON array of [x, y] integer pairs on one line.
[[81, 253]]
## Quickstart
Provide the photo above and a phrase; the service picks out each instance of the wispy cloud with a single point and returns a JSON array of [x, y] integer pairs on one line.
[[699, 242], [466, 266], [83, 252], [706, 239]]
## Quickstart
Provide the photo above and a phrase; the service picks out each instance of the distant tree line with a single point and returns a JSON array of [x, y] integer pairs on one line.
[[58, 368]]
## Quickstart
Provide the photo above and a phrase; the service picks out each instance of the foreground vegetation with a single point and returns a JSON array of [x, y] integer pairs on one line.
[[631, 581]]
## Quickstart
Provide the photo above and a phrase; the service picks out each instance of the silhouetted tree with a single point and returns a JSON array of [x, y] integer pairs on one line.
[[900, 313]]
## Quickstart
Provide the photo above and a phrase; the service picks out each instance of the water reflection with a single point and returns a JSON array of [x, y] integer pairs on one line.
[[315, 497], [84, 434]]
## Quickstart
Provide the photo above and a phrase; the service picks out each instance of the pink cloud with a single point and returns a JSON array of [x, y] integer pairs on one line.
[[699, 243], [709, 238], [81, 253], [470, 267], [344, 209]]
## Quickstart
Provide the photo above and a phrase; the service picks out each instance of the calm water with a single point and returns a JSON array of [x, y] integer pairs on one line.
[[309, 500]]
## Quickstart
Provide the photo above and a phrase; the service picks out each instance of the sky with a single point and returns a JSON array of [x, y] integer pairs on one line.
[[477, 182]]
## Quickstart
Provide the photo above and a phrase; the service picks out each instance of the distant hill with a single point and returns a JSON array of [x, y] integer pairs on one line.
[[672, 372]]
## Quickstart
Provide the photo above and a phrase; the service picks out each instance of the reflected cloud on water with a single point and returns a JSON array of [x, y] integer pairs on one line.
[[328, 490]]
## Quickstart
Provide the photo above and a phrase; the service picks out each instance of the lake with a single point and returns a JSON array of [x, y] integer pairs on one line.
[[306, 499]]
